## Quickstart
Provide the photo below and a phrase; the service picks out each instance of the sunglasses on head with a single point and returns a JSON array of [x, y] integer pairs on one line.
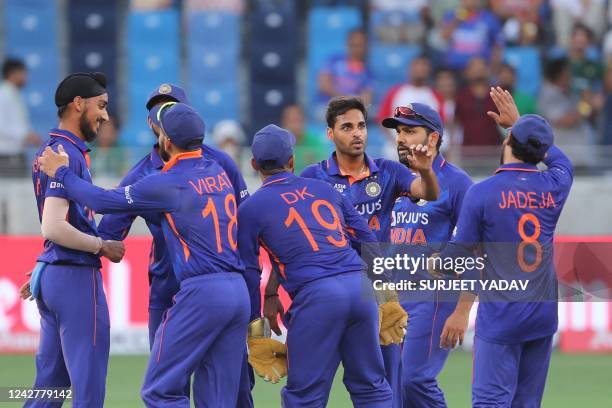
[[159, 115], [406, 112]]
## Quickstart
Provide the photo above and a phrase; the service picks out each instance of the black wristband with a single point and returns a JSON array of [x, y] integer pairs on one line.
[[267, 296]]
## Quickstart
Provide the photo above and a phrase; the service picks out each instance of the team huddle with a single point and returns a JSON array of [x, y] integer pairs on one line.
[[208, 336]]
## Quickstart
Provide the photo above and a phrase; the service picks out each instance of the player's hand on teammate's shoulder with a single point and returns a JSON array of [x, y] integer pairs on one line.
[[51, 161], [508, 111], [113, 250]]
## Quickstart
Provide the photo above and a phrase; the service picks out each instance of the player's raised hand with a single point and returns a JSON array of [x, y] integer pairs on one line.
[[454, 330], [113, 250], [420, 157], [508, 112], [50, 161], [393, 320]]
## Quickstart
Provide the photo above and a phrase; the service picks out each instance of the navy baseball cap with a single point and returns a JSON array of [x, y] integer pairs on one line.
[[534, 132], [182, 124], [272, 147], [415, 114], [170, 91]]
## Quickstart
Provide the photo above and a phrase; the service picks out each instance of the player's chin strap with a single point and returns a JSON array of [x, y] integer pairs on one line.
[[268, 357]]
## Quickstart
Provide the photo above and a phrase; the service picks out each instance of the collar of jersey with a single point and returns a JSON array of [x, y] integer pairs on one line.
[[334, 170], [196, 154], [71, 137], [439, 162], [158, 163], [517, 167], [278, 177]]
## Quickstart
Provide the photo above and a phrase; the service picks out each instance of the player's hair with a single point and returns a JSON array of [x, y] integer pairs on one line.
[[339, 105], [555, 67], [428, 132], [523, 152], [11, 65], [61, 110], [271, 172]]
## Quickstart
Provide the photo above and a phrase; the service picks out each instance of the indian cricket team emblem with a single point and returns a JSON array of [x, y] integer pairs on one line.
[[164, 89], [373, 189], [421, 202]]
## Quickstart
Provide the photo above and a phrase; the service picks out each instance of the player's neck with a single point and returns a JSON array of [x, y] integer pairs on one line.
[[353, 166], [72, 128]]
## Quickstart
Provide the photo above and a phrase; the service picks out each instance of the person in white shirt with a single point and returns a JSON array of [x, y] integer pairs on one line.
[[15, 133]]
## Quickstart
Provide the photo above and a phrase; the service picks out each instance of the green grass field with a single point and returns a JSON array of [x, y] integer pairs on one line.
[[582, 381]]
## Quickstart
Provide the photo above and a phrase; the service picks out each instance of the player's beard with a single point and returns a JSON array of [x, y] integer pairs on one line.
[[86, 130], [501, 157]]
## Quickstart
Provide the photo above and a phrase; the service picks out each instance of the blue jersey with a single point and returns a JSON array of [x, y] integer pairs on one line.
[[198, 206], [372, 196], [426, 226], [307, 229], [117, 226], [79, 216], [514, 215]]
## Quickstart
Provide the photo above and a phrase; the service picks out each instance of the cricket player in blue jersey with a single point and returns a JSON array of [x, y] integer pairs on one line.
[[519, 206], [421, 228], [198, 216], [67, 284], [162, 281], [372, 186], [307, 229]]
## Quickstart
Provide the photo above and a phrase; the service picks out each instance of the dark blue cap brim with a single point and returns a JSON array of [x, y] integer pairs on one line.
[[393, 123]]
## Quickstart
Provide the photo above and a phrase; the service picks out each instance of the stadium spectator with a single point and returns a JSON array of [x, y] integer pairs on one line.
[[229, 136], [446, 87], [473, 103], [506, 78], [107, 158], [16, 134], [348, 74], [567, 12], [309, 147], [403, 21], [520, 18], [567, 113], [606, 115], [471, 31], [587, 72]]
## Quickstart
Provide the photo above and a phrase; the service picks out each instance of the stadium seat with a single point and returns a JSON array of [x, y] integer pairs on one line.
[[92, 24], [220, 29], [274, 24], [527, 62], [273, 63], [152, 66], [215, 102], [213, 64], [329, 25], [31, 27], [267, 103], [94, 58], [154, 28]]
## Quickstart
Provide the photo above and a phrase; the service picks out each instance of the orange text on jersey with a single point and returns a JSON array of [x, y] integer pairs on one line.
[[526, 199]]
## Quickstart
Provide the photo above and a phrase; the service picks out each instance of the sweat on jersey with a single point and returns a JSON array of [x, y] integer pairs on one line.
[[200, 211], [372, 196], [305, 226], [79, 216], [512, 216]]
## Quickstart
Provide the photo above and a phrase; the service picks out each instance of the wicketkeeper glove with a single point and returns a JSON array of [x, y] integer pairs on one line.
[[393, 320], [268, 357]]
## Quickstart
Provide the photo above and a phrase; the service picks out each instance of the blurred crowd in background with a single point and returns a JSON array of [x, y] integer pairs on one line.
[[248, 63]]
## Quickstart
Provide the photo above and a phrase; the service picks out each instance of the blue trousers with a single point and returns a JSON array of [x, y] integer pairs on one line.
[[247, 376], [422, 357], [74, 335], [392, 360], [205, 329], [332, 320], [510, 375]]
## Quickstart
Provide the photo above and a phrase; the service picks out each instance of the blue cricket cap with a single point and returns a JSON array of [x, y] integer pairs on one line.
[[534, 132], [415, 114], [182, 124], [272, 147], [165, 92]]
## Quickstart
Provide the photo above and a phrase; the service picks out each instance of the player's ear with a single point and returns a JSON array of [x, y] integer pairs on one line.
[[433, 139], [291, 164], [254, 164], [330, 133], [78, 103]]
